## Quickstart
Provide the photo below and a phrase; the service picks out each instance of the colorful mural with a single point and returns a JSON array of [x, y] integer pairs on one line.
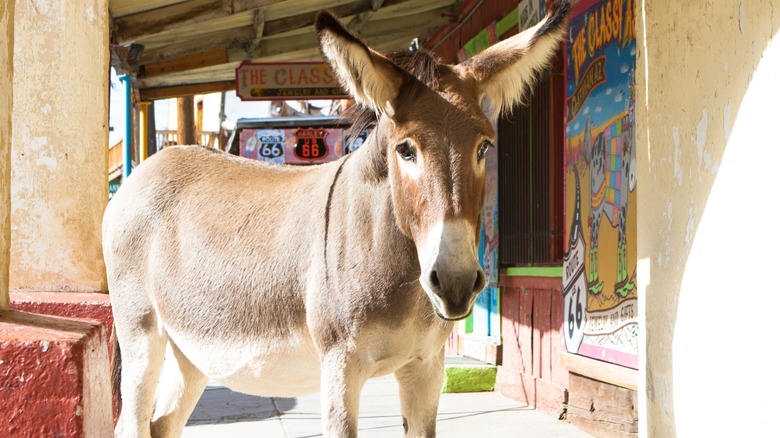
[[600, 263], [486, 316]]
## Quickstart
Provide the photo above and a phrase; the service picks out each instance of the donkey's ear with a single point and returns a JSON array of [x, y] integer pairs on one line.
[[372, 79], [505, 70]]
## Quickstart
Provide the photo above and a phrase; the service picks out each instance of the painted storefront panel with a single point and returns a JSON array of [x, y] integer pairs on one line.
[[600, 293], [486, 316]]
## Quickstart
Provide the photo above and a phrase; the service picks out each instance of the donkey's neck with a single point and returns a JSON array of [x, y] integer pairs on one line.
[[362, 226]]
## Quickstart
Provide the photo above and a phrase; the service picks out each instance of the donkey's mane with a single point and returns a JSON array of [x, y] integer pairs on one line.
[[421, 64]]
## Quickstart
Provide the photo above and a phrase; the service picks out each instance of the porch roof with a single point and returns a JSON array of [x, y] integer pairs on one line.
[[185, 47]]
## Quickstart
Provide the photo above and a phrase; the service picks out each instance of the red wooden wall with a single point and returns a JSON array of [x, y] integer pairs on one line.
[[531, 330]]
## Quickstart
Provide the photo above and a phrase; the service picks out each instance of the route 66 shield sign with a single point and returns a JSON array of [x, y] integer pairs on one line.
[[575, 293], [310, 143]]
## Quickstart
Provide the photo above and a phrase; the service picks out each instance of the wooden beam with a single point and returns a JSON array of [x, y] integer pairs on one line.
[[120, 8], [192, 61], [186, 90], [602, 371], [293, 22], [186, 120], [126, 59], [259, 25], [225, 38], [154, 21], [360, 20]]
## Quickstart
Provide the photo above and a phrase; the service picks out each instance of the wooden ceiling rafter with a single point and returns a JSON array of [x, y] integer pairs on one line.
[[259, 25], [197, 44]]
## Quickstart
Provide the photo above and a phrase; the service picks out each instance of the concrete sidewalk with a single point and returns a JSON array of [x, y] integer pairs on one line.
[[222, 413]]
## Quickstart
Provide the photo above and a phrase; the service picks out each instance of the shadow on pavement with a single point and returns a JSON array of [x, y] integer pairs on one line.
[[220, 405]]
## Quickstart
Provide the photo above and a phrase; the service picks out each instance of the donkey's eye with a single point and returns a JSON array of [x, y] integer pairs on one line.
[[483, 148], [406, 151]]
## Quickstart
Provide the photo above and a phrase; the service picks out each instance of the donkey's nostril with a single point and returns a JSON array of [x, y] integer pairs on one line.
[[479, 283], [434, 278]]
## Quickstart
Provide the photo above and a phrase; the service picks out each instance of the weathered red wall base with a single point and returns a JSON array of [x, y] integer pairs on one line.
[[74, 305], [77, 305], [531, 324], [54, 377]]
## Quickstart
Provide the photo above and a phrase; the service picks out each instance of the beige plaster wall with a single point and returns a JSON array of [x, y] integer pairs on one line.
[[708, 86], [6, 93], [59, 155]]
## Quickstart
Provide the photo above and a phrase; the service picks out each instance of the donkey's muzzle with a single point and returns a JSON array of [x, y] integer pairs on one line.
[[454, 292], [451, 275]]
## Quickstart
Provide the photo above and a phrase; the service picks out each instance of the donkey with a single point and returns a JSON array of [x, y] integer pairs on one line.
[[612, 164], [281, 280]]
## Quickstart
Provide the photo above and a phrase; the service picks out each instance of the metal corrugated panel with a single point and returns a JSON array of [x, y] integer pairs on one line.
[[530, 177]]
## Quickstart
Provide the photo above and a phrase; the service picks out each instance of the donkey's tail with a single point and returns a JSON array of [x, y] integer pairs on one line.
[[116, 375]]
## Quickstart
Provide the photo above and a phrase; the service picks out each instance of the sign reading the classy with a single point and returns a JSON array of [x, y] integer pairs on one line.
[[286, 80]]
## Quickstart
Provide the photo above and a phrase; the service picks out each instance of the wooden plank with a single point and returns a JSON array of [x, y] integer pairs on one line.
[[526, 331], [550, 397], [220, 20], [542, 312], [211, 41], [560, 375], [258, 27], [402, 24], [186, 120], [193, 12], [510, 322], [358, 21], [532, 282], [186, 90], [601, 409], [601, 371], [197, 60], [120, 8], [407, 8]]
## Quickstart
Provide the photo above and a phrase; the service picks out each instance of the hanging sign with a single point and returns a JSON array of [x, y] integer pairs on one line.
[[287, 80]]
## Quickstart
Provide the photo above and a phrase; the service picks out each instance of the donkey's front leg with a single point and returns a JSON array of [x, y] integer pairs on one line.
[[341, 382], [419, 382]]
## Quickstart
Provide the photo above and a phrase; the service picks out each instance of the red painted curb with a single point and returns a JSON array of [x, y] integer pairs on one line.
[[54, 377]]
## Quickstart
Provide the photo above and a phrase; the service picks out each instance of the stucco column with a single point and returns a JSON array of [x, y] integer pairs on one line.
[[708, 85], [59, 185], [6, 93]]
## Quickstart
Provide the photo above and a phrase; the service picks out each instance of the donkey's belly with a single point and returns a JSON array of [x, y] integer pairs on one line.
[[277, 367]]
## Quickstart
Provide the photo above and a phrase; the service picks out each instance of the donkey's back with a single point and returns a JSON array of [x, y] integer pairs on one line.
[[206, 251]]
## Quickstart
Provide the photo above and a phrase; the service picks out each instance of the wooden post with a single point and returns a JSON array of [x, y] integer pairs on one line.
[[6, 97], [151, 131], [186, 119], [143, 129]]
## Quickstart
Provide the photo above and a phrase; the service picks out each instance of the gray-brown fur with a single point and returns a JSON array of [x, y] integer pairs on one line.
[[279, 280]]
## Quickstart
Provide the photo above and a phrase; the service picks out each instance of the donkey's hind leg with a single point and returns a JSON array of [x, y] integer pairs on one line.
[[419, 383], [142, 349], [181, 385]]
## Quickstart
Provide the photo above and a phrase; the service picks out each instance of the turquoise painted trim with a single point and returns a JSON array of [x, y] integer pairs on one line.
[[535, 271], [127, 143]]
